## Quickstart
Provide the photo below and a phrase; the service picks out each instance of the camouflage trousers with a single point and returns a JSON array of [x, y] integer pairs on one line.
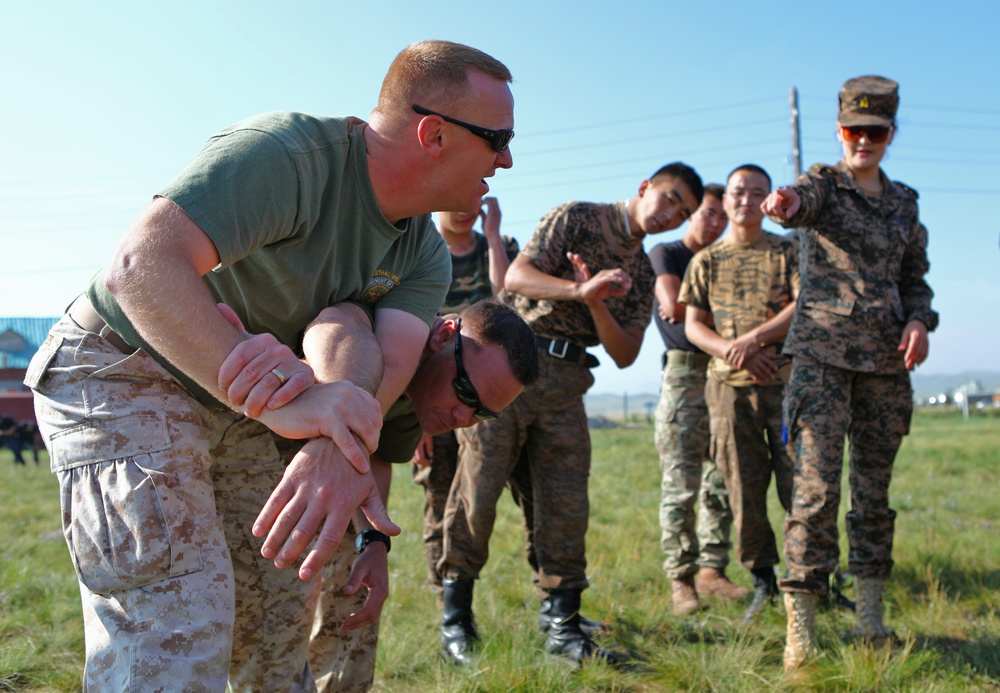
[[158, 496], [688, 475], [822, 405], [342, 661], [747, 447], [547, 424], [437, 479]]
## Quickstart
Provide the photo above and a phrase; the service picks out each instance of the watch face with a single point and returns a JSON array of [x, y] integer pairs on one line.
[[359, 542]]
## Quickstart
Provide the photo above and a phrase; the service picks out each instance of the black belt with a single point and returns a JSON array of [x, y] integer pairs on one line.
[[567, 351]]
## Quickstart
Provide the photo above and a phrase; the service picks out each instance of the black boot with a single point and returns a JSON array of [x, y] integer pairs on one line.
[[591, 628], [458, 627], [566, 636], [765, 589]]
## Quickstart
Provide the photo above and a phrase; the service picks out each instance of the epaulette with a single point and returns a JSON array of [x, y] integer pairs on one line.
[[907, 189], [823, 171]]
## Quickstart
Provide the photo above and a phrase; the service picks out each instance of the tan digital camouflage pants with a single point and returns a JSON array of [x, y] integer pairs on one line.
[[747, 447], [158, 497], [342, 661], [687, 473], [548, 424], [822, 405]]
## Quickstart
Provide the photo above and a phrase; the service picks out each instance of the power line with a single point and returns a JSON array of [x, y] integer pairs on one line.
[[640, 119]]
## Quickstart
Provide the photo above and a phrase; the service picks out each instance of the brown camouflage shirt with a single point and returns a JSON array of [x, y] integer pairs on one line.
[[596, 232], [743, 285], [863, 263]]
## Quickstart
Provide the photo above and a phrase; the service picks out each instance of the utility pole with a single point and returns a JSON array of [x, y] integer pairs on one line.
[[796, 133]]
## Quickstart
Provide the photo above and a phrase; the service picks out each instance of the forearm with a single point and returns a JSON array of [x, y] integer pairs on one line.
[[526, 279], [382, 473], [341, 345], [699, 333], [775, 329], [666, 288], [621, 344], [499, 263], [165, 248]]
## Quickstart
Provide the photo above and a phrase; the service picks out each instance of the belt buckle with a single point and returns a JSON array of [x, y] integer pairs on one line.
[[551, 349]]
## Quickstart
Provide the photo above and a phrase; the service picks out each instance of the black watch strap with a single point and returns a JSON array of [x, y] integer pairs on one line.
[[367, 536]]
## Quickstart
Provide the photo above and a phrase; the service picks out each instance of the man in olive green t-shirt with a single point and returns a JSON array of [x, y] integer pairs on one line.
[[180, 515]]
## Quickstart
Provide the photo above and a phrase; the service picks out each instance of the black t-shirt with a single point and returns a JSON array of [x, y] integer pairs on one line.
[[671, 258]]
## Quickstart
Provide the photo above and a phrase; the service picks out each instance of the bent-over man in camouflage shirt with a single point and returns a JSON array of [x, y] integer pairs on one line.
[[583, 279]]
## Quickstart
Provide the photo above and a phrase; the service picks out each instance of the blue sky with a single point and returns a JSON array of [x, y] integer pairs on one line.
[[107, 101]]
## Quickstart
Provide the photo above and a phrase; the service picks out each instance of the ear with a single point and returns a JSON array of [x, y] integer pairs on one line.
[[643, 187], [430, 134], [442, 332]]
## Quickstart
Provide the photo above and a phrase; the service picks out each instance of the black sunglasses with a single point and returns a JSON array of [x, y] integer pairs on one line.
[[499, 139], [464, 389]]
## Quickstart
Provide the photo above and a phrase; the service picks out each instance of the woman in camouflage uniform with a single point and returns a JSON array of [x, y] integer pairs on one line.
[[860, 326]]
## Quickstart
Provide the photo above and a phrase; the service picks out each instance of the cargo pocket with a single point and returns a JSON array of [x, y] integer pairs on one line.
[[125, 527], [39, 364]]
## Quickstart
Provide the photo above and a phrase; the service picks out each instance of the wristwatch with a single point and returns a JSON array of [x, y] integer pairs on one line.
[[367, 536]]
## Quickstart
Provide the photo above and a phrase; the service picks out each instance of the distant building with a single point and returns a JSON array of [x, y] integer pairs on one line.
[[19, 340]]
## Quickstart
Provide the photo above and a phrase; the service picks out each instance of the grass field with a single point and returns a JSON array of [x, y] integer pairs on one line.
[[943, 598]]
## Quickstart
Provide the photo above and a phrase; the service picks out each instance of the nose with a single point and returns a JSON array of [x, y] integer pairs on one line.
[[505, 159], [465, 416]]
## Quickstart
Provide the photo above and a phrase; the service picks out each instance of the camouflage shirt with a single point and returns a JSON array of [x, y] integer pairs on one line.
[[863, 263], [470, 274], [743, 285], [597, 232]]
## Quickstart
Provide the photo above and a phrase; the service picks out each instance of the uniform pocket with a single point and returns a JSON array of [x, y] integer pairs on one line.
[[39, 364], [124, 525]]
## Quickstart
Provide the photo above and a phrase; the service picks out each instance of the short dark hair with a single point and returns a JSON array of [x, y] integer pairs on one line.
[[678, 170], [752, 168], [716, 190], [493, 322]]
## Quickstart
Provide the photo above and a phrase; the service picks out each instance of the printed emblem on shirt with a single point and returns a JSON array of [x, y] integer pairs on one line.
[[381, 283]]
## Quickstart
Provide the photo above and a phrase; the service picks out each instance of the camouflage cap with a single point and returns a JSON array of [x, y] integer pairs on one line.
[[870, 100]]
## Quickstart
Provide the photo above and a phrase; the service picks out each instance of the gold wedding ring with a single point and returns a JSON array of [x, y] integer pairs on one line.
[[279, 375]]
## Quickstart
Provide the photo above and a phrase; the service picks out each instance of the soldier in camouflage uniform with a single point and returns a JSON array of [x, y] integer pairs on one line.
[[479, 263], [740, 297], [583, 279], [171, 489], [862, 324], [682, 434]]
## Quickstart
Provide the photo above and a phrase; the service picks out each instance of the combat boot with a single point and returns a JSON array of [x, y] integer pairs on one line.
[[591, 628], [566, 638], [685, 596], [869, 592], [713, 581], [800, 640], [458, 627], [765, 589]]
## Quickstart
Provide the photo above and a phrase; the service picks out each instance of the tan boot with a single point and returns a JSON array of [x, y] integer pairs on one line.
[[685, 596], [712, 581], [869, 593], [800, 640]]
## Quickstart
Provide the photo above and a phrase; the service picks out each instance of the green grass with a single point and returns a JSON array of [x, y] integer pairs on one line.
[[942, 600]]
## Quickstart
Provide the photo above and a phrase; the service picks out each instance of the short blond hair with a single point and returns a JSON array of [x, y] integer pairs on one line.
[[433, 74]]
